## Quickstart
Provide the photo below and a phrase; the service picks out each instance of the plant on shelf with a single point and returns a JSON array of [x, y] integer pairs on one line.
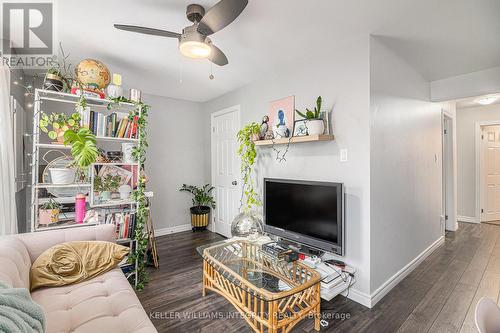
[[55, 124], [83, 146], [247, 153], [58, 77], [106, 185], [312, 119], [49, 212], [202, 202]]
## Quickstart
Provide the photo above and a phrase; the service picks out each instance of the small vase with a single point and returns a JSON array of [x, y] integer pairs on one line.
[[105, 196], [53, 82]]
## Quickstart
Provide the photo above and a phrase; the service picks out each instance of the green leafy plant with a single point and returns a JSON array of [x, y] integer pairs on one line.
[[83, 146], [50, 205], [53, 123], [107, 183], [247, 153], [201, 195], [314, 114]]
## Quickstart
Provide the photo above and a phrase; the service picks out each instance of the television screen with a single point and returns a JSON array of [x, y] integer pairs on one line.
[[309, 212]]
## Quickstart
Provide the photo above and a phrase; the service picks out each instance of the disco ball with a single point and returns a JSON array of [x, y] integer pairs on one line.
[[247, 224]]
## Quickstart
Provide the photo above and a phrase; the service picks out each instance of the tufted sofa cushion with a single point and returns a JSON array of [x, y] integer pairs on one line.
[[106, 303], [15, 263]]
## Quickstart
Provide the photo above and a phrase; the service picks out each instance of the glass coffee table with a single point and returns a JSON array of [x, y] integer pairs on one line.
[[272, 295]]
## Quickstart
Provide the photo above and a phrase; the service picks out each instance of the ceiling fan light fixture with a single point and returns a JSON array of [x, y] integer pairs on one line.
[[486, 100], [195, 49]]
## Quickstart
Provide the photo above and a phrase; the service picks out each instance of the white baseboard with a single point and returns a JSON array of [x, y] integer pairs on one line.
[[378, 294], [467, 219], [358, 297], [172, 230]]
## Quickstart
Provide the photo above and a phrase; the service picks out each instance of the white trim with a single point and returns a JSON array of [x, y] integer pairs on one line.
[[467, 219], [378, 294], [450, 224], [172, 230], [477, 138], [358, 297]]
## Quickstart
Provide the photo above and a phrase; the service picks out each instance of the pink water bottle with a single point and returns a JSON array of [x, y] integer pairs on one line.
[[80, 207]]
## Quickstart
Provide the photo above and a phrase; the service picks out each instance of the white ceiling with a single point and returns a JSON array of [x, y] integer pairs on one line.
[[440, 38]]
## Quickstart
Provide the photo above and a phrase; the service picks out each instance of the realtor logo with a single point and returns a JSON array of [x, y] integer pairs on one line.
[[27, 28]]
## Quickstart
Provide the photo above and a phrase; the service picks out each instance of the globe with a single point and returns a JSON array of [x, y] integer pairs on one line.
[[247, 224], [93, 74]]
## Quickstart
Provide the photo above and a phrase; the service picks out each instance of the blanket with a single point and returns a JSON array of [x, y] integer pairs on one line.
[[18, 312]]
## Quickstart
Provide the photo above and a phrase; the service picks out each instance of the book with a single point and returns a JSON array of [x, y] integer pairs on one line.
[[91, 121]]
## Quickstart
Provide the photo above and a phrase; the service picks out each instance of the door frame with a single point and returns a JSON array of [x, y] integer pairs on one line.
[[449, 184], [479, 164], [235, 108]]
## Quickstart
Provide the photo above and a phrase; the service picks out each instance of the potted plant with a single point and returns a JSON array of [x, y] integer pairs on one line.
[[248, 153], [313, 121], [202, 202], [54, 80], [56, 124], [49, 212], [106, 185]]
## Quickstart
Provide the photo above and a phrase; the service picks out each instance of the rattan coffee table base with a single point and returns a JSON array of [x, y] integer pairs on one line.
[[272, 316]]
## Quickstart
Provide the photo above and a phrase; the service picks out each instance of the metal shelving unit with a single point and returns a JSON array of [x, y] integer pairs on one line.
[[96, 104]]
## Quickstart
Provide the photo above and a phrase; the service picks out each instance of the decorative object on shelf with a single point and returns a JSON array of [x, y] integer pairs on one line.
[[264, 127], [300, 128], [58, 123], [113, 170], [281, 116], [202, 202], [247, 224], [80, 201], [58, 76], [247, 153], [115, 89], [127, 152], [325, 115], [48, 213], [93, 75], [135, 95], [62, 176], [312, 119], [53, 81], [105, 185], [60, 162], [91, 217], [125, 191], [114, 156]]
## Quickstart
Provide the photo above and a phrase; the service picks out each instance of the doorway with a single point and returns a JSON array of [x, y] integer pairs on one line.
[[489, 171], [226, 176], [448, 183]]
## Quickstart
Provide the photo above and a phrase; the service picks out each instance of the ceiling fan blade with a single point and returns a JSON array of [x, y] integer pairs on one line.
[[217, 56], [221, 15], [147, 31]]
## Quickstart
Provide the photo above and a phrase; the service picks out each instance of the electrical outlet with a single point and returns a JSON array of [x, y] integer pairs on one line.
[[343, 155]]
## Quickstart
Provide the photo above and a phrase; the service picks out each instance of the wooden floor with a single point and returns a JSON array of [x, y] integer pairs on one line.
[[438, 296]]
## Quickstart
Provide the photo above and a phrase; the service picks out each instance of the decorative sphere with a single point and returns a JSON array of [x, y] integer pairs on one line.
[[93, 74], [247, 224]]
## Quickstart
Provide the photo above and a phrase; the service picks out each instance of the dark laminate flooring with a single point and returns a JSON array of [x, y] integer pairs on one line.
[[438, 296]]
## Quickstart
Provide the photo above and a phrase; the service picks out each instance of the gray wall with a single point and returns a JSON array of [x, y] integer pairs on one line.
[[466, 119], [405, 163], [342, 78], [175, 156]]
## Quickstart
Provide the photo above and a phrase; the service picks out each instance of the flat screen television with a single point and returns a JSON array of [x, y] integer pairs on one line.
[[307, 212]]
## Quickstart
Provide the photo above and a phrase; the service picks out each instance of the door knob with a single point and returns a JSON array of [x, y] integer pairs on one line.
[[234, 182]]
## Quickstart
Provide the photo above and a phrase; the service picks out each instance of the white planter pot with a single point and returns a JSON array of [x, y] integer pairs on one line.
[[114, 91], [62, 175], [315, 127], [125, 191], [127, 149]]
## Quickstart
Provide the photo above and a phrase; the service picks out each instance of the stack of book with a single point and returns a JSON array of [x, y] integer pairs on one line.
[[124, 222], [114, 125]]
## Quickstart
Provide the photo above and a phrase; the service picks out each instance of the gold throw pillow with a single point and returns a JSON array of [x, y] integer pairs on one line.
[[74, 262]]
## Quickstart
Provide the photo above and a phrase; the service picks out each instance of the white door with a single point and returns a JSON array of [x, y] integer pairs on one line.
[[225, 168], [491, 173]]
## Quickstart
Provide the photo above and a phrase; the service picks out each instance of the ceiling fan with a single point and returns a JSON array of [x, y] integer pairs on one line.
[[194, 41]]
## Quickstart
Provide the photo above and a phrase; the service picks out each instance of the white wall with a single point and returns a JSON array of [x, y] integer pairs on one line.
[[405, 177], [342, 78], [467, 85], [466, 120], [175, 156]]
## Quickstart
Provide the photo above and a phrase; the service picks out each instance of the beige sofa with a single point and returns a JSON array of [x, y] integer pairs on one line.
[[106, 303]]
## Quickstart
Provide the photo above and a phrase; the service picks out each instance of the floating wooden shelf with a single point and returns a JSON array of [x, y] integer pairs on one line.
[[295, 139]]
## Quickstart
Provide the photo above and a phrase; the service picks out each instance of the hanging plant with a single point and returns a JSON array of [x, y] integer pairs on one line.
[[248, 154]]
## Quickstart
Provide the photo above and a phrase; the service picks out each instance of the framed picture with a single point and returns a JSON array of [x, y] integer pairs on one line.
[[281, 116], [300, 128], [114, 170]]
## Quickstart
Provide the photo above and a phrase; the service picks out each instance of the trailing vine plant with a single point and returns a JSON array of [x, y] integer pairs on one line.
[[248, 154]]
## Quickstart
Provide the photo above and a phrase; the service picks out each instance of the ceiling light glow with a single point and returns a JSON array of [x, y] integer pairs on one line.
[[486, 100], [195, 49]]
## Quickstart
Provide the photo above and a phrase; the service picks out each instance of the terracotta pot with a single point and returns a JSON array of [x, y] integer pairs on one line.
[[48, 216], [60, 136]]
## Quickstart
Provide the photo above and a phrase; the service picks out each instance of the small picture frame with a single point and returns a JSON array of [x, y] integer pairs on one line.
[[300, 128], [113, 170]]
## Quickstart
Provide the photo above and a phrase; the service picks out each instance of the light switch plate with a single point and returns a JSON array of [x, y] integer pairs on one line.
[[343, 155]]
